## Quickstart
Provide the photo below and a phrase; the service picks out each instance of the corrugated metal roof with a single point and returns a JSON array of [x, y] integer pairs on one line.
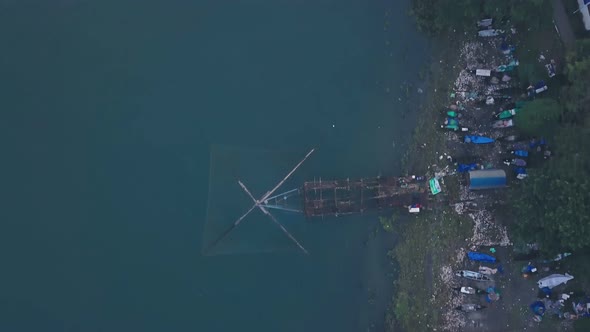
[[487, 179]]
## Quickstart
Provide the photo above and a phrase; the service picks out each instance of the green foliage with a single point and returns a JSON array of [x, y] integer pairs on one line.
[[531, 72], [411, 255], [387, 224], [553, 205], [421, 253], [401, 308], [582, 50], [434, 17], [530, 13], [582, 325], [577, 94], [536, 117]]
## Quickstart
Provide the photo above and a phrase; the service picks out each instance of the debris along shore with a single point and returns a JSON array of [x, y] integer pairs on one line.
[[483, 71]]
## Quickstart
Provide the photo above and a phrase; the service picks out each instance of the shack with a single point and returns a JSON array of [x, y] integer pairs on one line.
[[487, 179]]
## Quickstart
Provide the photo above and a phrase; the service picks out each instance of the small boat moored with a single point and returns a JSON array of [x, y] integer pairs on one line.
[[469, 290], [470, 307], [503, 123], [478, 139], [476, 276]]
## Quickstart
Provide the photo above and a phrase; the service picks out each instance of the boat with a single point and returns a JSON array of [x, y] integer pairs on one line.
[[476, 276], [470, 307], [451, 123], [507, 49], [509, 67], [485, 23], [506, 114], [537, 88], [516, 162], [503, 123], [520, 153], [490, 32], [487, 270], [554, 280], [469, 290], [550, 69], [478, 139], [510, 138]]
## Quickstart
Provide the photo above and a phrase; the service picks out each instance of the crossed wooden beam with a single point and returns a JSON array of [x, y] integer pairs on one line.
[[260, 203]]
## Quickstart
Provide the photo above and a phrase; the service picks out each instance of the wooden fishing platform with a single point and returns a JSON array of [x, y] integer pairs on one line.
[[341, 197], [335, 198]]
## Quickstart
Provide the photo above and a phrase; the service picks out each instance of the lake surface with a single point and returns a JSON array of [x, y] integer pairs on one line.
[[120, 122]]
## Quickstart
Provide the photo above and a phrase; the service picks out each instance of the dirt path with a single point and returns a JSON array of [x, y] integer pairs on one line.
[[562, 21]]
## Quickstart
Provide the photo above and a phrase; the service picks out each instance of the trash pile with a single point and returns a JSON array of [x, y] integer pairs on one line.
[[552, 299], [488, 154]]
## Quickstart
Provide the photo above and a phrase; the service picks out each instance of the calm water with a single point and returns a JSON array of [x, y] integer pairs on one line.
[[109, 112]]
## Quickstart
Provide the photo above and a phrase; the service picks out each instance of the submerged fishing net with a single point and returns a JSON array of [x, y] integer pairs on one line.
[[260, 171]]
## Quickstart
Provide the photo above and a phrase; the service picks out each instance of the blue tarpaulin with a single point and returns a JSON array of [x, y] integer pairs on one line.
[[463, 168], [540, 84], [477, 256], [522, 153], [478, 139], [538, 308]]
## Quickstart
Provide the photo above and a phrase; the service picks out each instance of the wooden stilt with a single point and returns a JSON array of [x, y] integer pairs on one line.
[[260, 204]]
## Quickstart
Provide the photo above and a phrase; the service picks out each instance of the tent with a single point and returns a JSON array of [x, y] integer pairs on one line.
[[487, 179]]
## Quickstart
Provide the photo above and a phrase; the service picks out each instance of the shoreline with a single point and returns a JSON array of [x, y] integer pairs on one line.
[[414, 255], [434, 244]]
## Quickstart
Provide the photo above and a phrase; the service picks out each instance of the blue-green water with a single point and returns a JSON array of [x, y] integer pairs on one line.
[[109, 111]]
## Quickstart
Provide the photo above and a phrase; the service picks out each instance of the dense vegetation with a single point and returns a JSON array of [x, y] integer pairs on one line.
[[552, 207], [434, 17]]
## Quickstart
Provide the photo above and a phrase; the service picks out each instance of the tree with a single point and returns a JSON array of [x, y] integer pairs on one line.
[[434, 17], [577, 94], [530, 13], [538, 117], [552, 205]]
